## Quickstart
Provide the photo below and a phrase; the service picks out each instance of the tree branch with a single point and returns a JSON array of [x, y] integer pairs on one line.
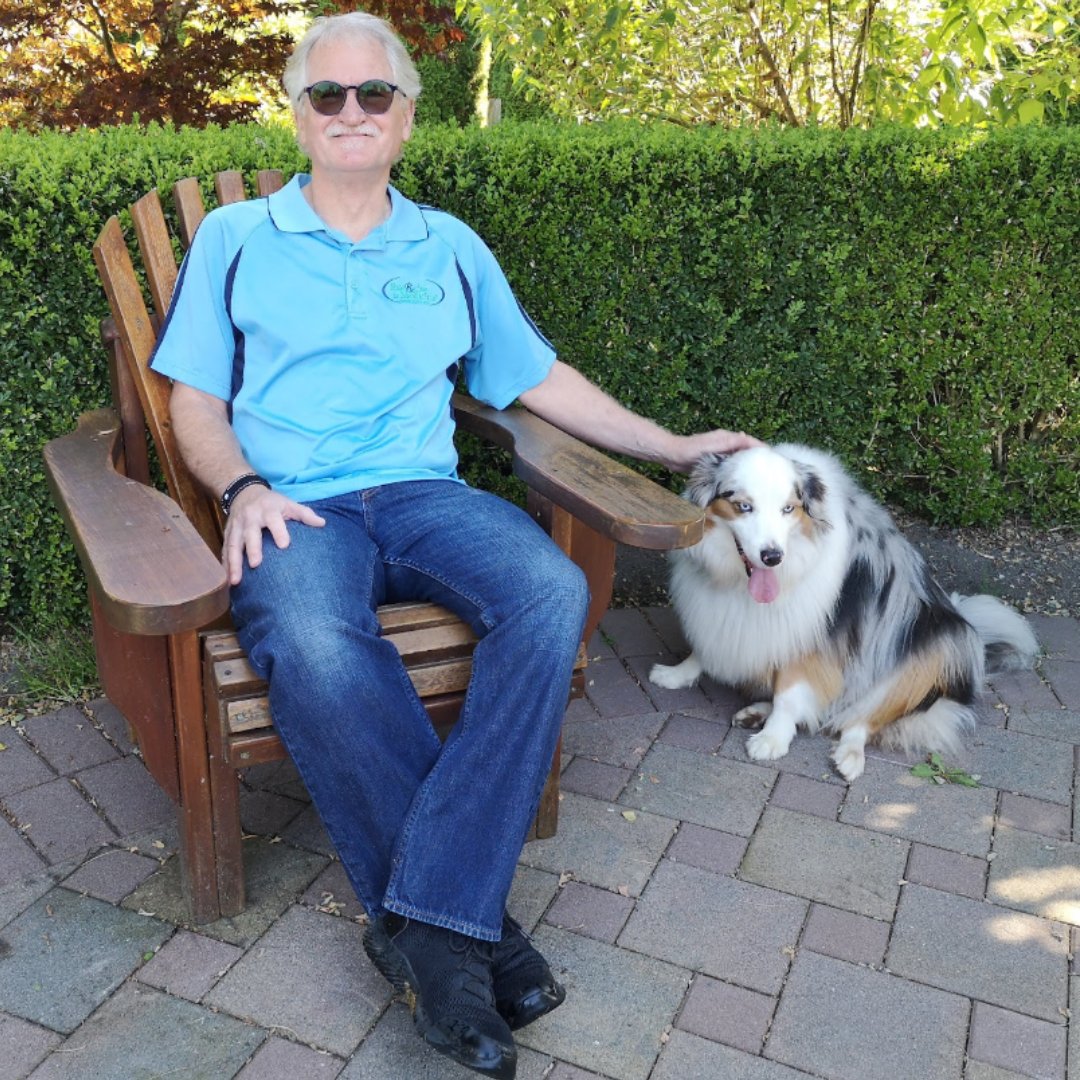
[[106, 36], [834, 73], [860, 53], [770, 62]]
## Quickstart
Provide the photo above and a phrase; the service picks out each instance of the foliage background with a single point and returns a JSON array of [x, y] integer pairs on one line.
[[88, 63], [795, 62], [907, 298]]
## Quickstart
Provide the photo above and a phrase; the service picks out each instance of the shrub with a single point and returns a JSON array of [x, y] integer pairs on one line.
[[905, 298]]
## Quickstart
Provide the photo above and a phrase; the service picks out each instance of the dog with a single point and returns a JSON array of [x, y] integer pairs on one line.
[[803, 591]]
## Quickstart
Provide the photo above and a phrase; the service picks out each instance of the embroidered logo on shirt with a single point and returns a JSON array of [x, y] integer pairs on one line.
[[402, 291]]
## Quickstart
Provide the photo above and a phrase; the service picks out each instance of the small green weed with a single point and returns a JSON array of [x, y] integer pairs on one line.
[[51, 665], [934, 769]]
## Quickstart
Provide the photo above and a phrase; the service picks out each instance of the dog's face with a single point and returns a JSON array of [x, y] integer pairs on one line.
[[763, 498]]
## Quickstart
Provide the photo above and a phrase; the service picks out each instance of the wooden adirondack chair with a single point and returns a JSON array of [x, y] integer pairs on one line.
[[166, 656]]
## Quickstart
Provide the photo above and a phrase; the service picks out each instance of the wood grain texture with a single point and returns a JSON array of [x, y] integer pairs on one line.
[[606, 495], [156, 249], [138, 337], [198, 853], [188, 200], [267, 181], [149, 569], [229, 186]]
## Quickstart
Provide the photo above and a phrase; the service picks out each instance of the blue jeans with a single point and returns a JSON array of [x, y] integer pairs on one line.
[[427, 830]]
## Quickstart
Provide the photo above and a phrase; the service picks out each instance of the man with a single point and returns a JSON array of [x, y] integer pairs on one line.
[[314, 340]]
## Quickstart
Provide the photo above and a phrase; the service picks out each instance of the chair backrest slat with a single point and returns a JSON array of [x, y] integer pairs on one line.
[[229, 186], [157, 251], [189, 208], [267, 181]]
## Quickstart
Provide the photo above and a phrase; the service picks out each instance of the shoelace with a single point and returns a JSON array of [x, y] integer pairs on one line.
[[476, 958]]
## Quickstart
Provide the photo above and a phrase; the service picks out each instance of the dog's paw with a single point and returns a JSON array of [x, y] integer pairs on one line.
[[677, 677], [766, 746], [753, 716], [850, 761]]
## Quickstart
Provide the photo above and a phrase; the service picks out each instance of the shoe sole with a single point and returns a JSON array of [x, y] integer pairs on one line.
[[393, 965], [390, 962]]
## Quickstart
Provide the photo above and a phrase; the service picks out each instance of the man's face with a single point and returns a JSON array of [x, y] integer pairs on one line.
[[352, 141]]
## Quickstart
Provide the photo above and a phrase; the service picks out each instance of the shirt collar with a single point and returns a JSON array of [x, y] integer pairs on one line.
[[290, 212]]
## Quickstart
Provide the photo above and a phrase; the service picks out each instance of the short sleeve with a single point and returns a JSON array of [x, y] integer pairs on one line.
[[509, 354]]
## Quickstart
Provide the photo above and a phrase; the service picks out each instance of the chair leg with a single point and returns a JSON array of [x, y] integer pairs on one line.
[[197, 849], [547, 815], [225, 811], [232, 897]]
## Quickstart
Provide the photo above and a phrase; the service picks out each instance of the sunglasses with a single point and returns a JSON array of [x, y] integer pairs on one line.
[[374, 96]]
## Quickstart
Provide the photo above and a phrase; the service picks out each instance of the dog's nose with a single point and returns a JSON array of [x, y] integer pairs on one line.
[[772, 556]]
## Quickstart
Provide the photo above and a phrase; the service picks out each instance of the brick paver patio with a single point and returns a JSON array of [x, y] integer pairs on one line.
[[713, 918]]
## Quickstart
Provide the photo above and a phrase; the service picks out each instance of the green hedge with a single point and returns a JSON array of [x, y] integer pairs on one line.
[[908, 299]]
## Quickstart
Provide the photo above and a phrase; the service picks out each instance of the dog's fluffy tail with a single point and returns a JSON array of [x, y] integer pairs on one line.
[[1006, 635], [939, 728]]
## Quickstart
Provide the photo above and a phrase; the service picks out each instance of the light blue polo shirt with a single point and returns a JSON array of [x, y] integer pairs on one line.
[[338, 359]]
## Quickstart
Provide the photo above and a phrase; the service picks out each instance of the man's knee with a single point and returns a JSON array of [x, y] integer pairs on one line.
[[310, 645], [571, 589], [561, 596]]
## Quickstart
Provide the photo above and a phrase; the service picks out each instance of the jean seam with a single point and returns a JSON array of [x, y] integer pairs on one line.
[[408, 825], [411, 564]]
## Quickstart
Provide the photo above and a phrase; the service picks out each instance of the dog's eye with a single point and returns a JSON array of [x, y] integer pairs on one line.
[[789, 509], [744, 507]]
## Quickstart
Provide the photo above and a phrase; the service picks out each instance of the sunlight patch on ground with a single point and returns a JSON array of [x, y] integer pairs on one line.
[[890, 816], [1053, 892]]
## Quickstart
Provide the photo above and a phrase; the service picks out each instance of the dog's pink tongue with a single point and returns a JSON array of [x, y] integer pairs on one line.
[[764, 587]]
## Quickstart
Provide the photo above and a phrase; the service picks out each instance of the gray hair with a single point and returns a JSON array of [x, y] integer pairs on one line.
[[352, 26]]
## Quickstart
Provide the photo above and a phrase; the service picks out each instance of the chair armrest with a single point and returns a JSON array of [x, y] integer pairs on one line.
[[607, 496], [148, 567]]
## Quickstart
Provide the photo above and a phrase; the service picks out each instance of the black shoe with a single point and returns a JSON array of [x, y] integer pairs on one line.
[[446, 977], [525, 988]]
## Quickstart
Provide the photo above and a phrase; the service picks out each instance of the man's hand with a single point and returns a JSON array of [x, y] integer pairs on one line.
[[686, 450], [209, 448], [254, 509]]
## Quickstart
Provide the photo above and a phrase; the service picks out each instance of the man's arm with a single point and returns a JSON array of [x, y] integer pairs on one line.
[[211, 452], [569, 401]]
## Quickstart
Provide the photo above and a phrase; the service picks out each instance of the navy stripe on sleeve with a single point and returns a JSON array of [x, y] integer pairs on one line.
[[169, 314], [467, 289], [238, 334], [535, 328]]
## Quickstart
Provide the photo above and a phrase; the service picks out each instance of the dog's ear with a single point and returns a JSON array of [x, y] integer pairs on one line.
[[706, 479], [811, 491]]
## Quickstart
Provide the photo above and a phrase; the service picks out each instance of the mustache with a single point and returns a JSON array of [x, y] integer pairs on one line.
[[349, 129]]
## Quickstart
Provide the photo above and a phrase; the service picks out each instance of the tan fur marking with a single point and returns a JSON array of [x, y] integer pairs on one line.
[[908, 688], [824, 677], [803, 521], [810, 527], [723, 508]]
